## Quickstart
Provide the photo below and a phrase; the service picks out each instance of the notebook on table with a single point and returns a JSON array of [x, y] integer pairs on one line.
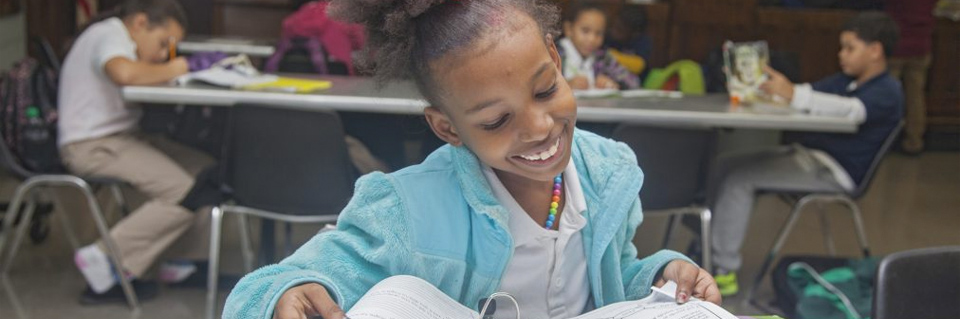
[[238, 73], [408, 297]]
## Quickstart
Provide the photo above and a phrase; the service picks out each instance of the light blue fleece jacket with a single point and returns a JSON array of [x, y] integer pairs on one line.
[[440, 221]]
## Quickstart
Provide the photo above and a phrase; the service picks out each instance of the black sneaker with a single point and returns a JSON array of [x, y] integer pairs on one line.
[[145, 290]]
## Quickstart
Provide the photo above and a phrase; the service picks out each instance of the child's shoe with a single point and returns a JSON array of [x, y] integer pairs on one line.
[[727, 283]]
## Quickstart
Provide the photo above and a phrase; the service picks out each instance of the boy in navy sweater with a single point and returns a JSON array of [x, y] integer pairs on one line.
[[863, 92]]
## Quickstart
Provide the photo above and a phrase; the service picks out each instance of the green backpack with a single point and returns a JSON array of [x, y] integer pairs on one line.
[[689, 73], [840, 293]]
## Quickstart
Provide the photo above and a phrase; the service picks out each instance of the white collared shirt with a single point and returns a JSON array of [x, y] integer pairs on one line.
[[90, 103], [548, 271]]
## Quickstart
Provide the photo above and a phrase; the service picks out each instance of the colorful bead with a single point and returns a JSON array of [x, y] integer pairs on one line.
[[554, 201]]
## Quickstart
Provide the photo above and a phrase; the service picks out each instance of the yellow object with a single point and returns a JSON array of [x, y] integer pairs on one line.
[[293, 85], [632, 62]]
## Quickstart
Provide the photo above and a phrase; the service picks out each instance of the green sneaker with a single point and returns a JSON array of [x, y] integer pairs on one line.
[[727, 284]]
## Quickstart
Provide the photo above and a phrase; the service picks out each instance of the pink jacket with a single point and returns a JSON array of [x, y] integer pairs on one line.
[[339, 39]]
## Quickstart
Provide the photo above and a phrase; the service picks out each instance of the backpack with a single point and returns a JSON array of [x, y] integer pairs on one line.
[[810, 287], [28, 116], [684, 75]]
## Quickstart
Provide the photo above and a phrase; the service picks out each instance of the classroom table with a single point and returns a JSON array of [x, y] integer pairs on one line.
[[231, 46], [361, 94]]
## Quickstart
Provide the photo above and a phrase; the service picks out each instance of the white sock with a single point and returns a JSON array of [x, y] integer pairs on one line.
[[95, 266], [176, 271]]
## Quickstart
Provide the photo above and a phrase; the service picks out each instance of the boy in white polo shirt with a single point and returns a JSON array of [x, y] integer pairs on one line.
[[98, 137]]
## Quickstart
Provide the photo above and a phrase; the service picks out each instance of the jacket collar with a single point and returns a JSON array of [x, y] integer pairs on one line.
[[609, 177]]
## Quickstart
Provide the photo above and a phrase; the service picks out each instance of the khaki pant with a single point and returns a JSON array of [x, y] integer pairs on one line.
[[913, 72], [162, 170]]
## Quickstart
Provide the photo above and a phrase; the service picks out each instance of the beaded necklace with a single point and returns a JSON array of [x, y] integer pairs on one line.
[[554, 201]]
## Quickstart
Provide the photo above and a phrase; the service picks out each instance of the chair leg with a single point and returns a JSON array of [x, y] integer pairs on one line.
[[213, 270], [112, 251], [65, 222], [120, 199], [777, 245], [287, 239], [828, 243], [13, 212], [12, 297], [858, 223], [245, 244], [21, 230], [706, 217], [671, 226]]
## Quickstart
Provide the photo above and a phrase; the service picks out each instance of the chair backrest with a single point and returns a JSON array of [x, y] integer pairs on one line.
[[288, 161], [50, 58], [918, 284], [881, 153], [10, 163], [673, 162]]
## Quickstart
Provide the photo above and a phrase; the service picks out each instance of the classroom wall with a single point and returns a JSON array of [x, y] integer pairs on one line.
[[13, 34]]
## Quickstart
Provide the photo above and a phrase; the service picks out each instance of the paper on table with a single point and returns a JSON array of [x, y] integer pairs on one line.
[[226, 77], [405, 297], [661, 304], [593, 93], [651, 93]]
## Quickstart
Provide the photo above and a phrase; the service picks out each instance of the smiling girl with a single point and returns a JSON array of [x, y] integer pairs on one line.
[[518, 201]]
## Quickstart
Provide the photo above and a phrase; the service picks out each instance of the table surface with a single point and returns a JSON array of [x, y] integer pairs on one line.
[[361, 94], [250, 47]]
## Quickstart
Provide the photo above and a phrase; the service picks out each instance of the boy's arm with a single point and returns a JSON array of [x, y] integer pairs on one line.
[[803, 97], [825, 104], [124, 71]]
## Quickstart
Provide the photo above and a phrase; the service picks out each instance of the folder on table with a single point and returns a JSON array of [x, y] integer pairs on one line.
[[292, 85]]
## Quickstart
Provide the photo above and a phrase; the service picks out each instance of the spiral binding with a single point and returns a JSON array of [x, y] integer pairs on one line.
[[494, 296]]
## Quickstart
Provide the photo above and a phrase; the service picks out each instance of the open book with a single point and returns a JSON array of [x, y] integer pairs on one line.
[[408, 297]]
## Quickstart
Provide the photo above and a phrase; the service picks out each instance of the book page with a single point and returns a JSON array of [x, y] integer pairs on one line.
[[226, 78], [661, 304], [403, 297]]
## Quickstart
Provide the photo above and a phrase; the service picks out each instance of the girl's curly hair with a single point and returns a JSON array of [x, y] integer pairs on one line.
[[404, 36]]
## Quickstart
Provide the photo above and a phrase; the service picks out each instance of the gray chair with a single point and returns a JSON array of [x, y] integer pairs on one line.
[[284, 165], [919, 284], [34, 182], [799, 200], [674, 162]]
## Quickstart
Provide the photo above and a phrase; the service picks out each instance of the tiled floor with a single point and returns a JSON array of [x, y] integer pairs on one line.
[[915, 202]]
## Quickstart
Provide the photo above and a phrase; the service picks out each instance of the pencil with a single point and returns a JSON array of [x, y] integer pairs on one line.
[[173, 48]]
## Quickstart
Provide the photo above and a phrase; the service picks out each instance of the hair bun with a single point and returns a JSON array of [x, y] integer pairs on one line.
[[404, 35]]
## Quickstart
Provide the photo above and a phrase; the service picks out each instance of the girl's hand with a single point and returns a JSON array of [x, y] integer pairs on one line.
[[690, 278], [605, 82], [307, 301], [579, 83]]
